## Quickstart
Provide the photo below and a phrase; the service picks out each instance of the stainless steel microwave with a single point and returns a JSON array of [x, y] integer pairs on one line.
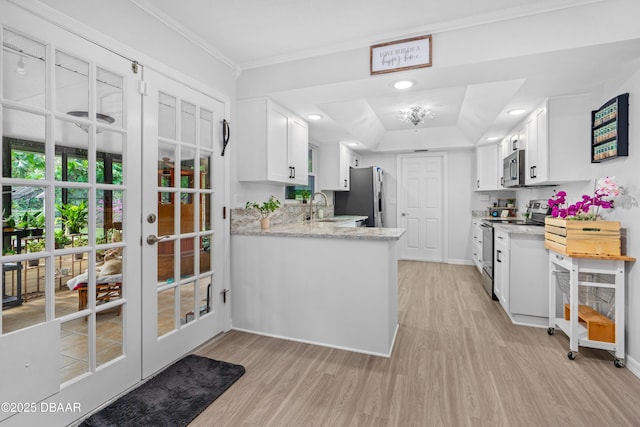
[[513, 169]]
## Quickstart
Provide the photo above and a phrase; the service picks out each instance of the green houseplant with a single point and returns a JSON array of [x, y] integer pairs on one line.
[[74, 217], [35, 245], [305, 194], [61, 239], [265, 209]]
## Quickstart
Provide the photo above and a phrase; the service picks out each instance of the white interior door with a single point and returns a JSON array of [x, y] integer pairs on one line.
[[70, 137], [421, 207], [184, 303]]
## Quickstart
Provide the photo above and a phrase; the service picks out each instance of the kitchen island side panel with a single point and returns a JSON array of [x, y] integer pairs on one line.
[[335, 292]]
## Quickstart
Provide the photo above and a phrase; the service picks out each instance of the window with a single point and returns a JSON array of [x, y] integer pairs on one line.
[[295, 192]]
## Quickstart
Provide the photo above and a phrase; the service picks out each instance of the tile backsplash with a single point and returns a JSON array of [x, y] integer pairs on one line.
[[286, 214]]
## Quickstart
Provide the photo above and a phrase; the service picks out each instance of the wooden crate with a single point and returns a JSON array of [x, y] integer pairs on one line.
[[599, 327], [582, 237]]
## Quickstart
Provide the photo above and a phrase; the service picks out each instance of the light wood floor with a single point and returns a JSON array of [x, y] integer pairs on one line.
[[458, 361]]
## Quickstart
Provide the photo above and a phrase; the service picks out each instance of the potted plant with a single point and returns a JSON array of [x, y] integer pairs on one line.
[[8, 223], [74, 217], [79, 241], [35, 245], [61, 239], [36, 223], [265, 210], [305, 194]]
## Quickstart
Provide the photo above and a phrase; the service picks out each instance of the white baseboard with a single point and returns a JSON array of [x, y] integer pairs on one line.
[[460, 261], [355, 350], [632, 365]]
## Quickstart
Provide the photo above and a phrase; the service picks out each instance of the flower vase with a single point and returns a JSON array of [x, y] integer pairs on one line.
[[264, 223]]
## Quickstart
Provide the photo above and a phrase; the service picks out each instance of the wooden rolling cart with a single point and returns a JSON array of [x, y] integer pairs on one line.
[[583, 325]]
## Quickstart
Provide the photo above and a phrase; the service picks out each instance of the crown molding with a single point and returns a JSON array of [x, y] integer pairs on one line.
[[148, 7]]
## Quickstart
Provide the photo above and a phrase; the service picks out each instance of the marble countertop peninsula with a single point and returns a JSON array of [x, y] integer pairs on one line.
[[321, 229]]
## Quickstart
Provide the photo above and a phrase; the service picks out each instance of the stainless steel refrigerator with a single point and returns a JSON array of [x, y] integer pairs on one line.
[[365, 196]]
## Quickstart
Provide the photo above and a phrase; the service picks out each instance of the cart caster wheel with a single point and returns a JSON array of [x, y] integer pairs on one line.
[[551, 331], [619, 363], [571, 355]]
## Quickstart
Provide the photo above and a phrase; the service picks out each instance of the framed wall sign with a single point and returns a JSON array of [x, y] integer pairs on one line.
[[400, 55]]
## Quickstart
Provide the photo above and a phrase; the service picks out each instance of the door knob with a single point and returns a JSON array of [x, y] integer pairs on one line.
[[152, 239]]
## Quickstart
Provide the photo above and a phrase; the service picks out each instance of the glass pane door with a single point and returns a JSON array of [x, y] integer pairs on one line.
[[183, 255], [69, 148]]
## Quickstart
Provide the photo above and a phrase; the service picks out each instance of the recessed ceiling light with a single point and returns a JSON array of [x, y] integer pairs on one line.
[[517, 112], [492, 138], [314, 116], [352, 144], [403, 84]]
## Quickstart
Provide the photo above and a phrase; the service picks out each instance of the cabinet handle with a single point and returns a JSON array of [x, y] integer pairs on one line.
[[515, 144], [294, 172], [478, 184], [500, 237], [498, 253], [345, 183], [535, 171], [502, 181], [356, 162]]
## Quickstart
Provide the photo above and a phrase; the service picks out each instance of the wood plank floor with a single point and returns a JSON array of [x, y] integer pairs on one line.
[[457, 361]]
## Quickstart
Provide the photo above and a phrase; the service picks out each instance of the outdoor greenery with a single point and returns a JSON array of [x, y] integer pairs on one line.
[[74, 217]]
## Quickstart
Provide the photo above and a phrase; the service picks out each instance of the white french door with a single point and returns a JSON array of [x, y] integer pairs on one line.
[[422, 207], [70, 126], [184, 302]]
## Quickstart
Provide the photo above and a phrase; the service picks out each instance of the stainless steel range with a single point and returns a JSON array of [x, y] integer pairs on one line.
[[537, 210]]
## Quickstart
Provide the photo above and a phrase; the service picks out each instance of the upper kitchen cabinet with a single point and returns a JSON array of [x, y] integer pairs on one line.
[[557, 141], [272, 143], [487, 170], [335, 161]]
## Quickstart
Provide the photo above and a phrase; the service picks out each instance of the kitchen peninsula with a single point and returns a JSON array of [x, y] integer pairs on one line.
[[317, 282]]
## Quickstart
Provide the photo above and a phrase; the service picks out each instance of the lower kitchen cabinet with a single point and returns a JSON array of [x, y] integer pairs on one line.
[[521, 276], [476, 247]]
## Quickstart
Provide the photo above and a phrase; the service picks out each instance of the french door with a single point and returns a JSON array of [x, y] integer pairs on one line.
[[71, 149], [184, 301]]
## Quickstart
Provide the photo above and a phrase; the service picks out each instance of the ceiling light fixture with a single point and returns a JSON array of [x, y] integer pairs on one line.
[[517, 112], [492, 138], [416, 115], [20, 66], [403, 84], [101, 118], [314, 116]]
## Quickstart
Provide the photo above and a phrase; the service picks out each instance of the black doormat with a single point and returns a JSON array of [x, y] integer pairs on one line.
[[174, 397]]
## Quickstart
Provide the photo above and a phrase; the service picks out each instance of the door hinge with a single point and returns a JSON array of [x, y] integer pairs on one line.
[[224, 212], [134, 67], [142, 88]]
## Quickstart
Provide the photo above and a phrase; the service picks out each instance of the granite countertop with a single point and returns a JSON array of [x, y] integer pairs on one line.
[[520, 228], [323, 229]]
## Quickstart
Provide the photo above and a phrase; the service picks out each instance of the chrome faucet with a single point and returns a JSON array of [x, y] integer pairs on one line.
[[326, 203]]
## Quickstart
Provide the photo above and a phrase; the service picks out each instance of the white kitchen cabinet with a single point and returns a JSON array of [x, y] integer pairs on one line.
[[476, 246], [520, 276], [487, 171], [555, 141], [272, 143], [501, 268], [335, 161]]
